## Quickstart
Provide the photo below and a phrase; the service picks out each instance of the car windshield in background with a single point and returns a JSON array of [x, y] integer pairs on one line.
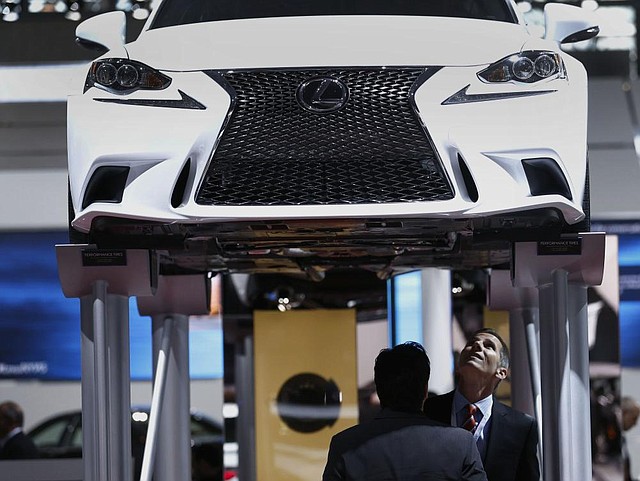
[[181, 12]]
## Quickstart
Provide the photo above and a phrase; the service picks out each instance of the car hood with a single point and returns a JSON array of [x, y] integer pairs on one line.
[[328, 41]]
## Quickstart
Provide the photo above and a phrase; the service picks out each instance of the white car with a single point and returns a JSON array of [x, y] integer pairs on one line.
[[240, 135]]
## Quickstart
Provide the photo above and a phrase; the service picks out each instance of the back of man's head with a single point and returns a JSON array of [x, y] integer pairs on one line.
[[402, 375], [11, 416]]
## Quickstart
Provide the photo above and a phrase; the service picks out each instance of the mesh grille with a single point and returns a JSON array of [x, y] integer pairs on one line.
[[273, 152]]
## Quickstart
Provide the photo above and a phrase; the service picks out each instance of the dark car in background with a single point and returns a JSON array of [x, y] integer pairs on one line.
[[61, 437]]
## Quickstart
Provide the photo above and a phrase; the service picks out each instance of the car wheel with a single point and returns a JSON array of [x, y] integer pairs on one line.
[[75, 236]]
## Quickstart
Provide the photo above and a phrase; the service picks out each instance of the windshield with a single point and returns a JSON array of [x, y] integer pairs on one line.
[[180, 12]]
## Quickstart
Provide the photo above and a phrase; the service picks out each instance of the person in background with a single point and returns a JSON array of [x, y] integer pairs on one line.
[[630, 414], [401, 443], [507, 439], [14, 444]]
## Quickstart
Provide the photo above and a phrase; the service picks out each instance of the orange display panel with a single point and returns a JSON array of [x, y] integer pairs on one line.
[[305, 389]]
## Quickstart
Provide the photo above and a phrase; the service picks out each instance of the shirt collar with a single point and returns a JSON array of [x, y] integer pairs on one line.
[[484, 405]]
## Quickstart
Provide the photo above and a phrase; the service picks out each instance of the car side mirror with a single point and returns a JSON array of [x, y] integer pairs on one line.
[[568, 24], [103, 32]]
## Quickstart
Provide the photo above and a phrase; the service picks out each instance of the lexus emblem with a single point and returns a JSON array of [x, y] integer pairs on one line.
[[322, 95]]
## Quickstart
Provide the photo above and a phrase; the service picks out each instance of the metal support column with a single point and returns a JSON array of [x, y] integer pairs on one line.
[[245, 395], [436, 327], [170, 401], [531, 321], [105, 385], [555, 364], [579, 381], [524, 326], [167, 455], [104, 280], [565, 362], [561, 270], [522, 304], [525, 370]]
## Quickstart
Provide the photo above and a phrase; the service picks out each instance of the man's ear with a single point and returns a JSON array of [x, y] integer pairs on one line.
[[501, 373]]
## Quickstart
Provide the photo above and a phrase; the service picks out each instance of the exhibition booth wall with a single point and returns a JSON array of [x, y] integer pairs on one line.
[[40, 347]]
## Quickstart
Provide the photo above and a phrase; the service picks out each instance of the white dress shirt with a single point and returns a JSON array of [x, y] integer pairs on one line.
[[483, 416]]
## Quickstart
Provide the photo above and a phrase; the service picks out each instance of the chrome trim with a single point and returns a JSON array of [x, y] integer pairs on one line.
[[185, 102], [462, 97]]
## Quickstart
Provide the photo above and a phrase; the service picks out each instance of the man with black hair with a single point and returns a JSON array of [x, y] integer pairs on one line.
[[400, 443], [14, 444], [507, 439]]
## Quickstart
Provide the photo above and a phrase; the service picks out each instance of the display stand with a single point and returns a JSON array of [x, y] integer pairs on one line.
[[560, 271], [167, 452], [104, 280], [436, 326], [245, 395], [524, 328]]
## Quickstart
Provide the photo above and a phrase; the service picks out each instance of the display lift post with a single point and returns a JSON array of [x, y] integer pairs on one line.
[[176, 299], [104, 280], [546, 295]]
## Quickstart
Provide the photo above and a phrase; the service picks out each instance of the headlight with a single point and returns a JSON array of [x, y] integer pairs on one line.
[[122, 76], [528, 67]]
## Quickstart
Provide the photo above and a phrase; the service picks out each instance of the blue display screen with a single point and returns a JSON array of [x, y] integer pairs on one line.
[[629, 274], [406, 293], [40, 328]]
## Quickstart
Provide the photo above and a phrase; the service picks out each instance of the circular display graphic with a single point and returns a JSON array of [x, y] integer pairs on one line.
[[307, 402]]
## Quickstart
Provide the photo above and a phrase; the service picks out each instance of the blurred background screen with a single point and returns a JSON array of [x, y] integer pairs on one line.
[[41, 328]]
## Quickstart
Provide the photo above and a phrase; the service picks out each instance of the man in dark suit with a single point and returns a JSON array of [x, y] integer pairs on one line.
[[507, 439], [14, 444], [400, 443]]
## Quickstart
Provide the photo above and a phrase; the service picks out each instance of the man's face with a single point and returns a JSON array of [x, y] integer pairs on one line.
[[481, 355]]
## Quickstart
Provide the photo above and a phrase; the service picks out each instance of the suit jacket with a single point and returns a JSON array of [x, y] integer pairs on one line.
[[19, 446], [404, 447], [512, 445]]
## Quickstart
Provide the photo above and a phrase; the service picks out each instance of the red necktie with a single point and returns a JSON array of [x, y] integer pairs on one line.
[[470, 424]]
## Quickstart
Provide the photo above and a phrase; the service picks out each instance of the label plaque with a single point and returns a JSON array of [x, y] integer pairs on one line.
[[104, 257], [562, 247]]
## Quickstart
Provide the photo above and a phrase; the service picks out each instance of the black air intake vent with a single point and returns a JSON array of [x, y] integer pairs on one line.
[[545, 177], [106, 184], [470, 185]]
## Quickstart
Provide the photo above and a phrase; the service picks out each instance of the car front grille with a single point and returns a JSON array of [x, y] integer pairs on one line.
[[274, 152]]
